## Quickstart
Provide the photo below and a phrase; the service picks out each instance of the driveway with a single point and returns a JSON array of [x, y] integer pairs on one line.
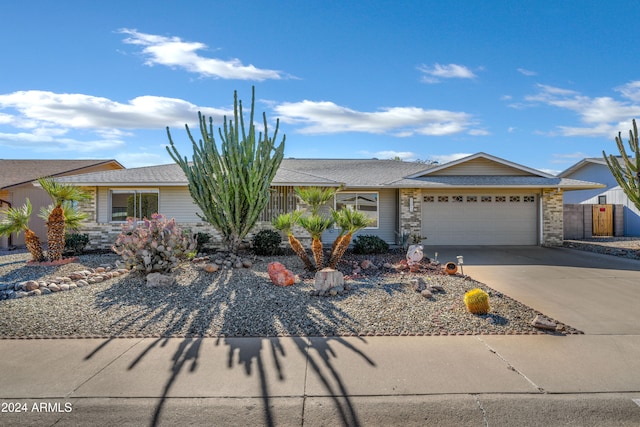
[[595, 293]]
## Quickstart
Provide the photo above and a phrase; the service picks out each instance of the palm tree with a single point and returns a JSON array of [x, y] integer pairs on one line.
[[285, 223], [73, 218], [315, 197], [59, 193], [17, 220], [350, 221], [315, 226]]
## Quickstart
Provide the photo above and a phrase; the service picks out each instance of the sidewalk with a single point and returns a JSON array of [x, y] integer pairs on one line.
[[468, 380]]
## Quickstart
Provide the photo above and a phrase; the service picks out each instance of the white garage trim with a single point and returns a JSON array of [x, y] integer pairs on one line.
[[490, 217]]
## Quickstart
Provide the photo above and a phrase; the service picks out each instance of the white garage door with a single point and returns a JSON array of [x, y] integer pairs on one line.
[[480, 219]]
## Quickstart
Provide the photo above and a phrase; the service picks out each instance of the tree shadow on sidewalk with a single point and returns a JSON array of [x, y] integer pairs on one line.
[[226, 311]]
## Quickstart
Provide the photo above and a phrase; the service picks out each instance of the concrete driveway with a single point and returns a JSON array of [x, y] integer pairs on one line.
[[597, 294]]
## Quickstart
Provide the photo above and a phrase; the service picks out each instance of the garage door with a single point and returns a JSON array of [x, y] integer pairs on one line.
[[480, 219]]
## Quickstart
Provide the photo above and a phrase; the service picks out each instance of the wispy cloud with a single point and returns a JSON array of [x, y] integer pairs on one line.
[[44, 119], [601, 116], [327, 118], [568, 157], [446, 158], [175, 52], [435, 73], [526, 72]]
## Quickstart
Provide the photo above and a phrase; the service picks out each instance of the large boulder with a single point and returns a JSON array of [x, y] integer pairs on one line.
[[327, 279], [279, 274], [414, 254], [158, 280]]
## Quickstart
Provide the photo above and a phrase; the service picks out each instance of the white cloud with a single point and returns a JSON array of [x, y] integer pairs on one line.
[[328, 117], [79, 111], [601, 116], [526, 72], [568, 157], [446, 158], [630, 90], [44, 120], [433, 74], [174, 52]]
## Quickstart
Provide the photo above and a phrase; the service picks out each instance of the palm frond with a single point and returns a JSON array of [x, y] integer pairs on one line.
[[16, 219], [60, 193]]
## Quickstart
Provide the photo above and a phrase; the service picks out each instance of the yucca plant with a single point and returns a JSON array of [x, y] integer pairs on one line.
[[315, 225], [59, 193], [17, 220], [349, 221], [285, 223]]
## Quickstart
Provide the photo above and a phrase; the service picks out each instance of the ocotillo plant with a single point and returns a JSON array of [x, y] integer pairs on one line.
[[231, 184], [627, 175]]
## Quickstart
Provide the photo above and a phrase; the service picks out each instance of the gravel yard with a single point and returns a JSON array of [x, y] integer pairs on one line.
[[243, 302]]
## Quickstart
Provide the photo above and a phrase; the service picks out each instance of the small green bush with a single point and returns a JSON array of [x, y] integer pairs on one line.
[[75, 242], [369, 244], [267, 242], [201, 240]]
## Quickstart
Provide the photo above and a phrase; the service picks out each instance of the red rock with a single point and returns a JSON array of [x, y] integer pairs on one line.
[[211, 268], [279, 275]]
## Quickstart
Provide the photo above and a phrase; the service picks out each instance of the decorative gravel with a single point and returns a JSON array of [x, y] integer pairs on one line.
[[242, 302]]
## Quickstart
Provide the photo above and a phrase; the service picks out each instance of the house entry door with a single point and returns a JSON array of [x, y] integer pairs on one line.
[[602, 220]]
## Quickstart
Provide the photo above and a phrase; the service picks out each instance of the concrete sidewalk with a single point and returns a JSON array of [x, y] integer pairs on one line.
[[468, 380]]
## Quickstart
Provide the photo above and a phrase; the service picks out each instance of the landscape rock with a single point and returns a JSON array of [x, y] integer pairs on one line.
[[425, 293], [328, 278], [53, 287], [414, 254], [279, 275], [365, 264], [211, 268], [31, 285], [157, 280], [541, 323], [247, 264]]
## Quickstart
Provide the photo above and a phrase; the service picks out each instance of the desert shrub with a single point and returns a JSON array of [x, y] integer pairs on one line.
[[201, 240], [75, 242], [267, 242], [369, 244], [155, 245]]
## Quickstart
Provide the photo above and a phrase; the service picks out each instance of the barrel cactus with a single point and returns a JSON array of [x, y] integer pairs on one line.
[[155, 245], [477, 301]]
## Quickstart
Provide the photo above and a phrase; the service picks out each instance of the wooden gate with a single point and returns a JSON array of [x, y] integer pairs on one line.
[[602, 220]]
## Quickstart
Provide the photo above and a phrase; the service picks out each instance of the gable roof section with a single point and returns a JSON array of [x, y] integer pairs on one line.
[[589, 160], [481, 164], [18, 172]]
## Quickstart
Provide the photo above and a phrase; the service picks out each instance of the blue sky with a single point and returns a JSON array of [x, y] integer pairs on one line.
[[541, 83]]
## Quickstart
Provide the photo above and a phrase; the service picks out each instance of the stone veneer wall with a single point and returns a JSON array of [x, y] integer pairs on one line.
[[103, 235], [552, 217], [411, 221]]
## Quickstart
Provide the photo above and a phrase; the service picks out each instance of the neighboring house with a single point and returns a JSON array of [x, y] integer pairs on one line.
[[596, 169], [16, 185], [480, 199]]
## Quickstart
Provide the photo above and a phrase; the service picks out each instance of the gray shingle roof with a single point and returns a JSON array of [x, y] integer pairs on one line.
[[353, 173], [16, 172]]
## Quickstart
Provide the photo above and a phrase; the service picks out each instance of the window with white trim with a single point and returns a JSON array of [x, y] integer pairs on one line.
[[365, 202], [139, 204]]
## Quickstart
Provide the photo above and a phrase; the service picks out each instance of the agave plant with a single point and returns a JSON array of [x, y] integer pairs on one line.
[[285, 223], [315, 226], [350, 221], [17, 220], [59, 193]]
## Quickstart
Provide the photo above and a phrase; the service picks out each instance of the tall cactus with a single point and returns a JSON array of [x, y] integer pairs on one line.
[[627, 175], [231, 185]]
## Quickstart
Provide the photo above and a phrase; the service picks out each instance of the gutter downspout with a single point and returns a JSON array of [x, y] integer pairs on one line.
[[9, 240]]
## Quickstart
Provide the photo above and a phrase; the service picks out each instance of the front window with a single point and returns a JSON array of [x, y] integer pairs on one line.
[[366, 203], [133, 204]]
